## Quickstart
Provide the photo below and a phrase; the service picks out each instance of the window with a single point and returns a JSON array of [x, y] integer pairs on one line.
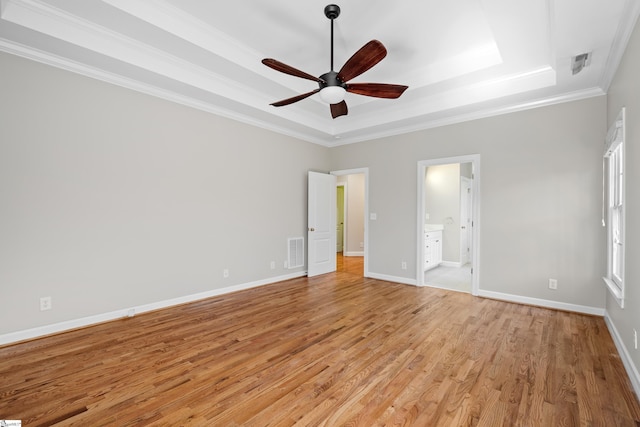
[[614, 197]]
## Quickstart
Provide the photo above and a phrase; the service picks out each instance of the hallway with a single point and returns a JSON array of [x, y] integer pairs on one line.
[[350, 264]]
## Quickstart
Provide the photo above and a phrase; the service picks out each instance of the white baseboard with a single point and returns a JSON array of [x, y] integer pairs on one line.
[[14, 337], [542, 302], [451, 264], [353, 253], [444, 288], [396, 279], [632, 370]]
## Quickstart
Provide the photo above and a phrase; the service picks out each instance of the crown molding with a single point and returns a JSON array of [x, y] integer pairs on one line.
[[619, 45], [330, 141], [127, 83], [54, 22], [240, 102], [480, 114]]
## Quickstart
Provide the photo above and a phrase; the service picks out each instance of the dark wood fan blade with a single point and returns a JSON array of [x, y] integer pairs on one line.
[[339, 109], [287, 69], [378, 90], [294, 99], [368, 56]]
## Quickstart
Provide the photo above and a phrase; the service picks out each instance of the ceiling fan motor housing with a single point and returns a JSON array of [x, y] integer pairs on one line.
[[331, 79]]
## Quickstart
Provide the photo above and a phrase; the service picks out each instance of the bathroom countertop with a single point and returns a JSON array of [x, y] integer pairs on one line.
[[433, 227]]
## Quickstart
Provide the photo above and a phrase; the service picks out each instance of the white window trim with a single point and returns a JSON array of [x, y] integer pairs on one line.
[[612, 193]]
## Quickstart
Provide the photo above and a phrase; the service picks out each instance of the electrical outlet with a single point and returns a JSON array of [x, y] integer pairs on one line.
[[361, 244], [273, 265], [553, 284], [225, 273], [404, 265], [45, 303]]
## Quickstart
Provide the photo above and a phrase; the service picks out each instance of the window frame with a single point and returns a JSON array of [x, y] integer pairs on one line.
[[614, 204]]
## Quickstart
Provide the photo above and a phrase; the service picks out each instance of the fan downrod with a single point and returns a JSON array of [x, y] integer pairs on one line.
[[332, 11]]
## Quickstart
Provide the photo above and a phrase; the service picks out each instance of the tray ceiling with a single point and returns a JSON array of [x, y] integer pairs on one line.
[[462, 59]]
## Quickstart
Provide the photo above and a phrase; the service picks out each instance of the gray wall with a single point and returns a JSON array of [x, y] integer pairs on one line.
[[442, 203], [625, 92], [112, 199], [540, 198]]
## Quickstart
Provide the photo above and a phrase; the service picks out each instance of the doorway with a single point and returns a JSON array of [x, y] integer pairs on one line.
[[352, 194], [448, 221]]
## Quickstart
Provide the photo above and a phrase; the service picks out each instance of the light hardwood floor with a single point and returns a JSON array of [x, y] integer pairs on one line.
[[333, 350]]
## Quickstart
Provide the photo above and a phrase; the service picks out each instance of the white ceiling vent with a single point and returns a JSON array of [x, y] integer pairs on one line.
[[578, 62], [296, 252]]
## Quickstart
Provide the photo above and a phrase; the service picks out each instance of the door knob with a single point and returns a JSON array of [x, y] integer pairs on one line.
[[312, 229]]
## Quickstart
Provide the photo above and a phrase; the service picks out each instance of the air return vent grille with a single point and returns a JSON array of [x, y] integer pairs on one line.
[[296, 252]]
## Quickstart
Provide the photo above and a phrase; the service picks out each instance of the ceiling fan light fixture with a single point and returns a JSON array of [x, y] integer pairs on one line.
[[333, 94], [333, 85]]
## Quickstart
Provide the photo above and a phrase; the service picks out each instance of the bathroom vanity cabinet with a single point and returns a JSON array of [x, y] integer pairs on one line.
[[432, 249]]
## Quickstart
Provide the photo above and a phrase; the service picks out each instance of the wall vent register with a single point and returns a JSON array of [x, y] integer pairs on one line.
[[295, 256]]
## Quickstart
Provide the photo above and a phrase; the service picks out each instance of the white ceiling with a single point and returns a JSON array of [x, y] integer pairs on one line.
[[462, 59]]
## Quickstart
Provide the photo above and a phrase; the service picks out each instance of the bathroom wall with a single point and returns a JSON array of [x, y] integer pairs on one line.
[[442, 205]]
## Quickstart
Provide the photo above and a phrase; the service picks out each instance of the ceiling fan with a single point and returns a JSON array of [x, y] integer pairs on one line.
[[334, 85]]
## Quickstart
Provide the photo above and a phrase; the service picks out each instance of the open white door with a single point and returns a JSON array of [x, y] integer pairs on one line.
[[466, 213], [321, 234]]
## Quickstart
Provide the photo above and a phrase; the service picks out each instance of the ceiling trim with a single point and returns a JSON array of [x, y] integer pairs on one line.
[[175, 21], [79, 32], [216, 90], [44, 18], [462, 96], [111, 78], [620, 42], [481, 114], [145, 88]]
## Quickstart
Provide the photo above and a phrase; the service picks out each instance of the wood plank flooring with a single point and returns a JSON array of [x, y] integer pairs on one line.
[[333, 350]]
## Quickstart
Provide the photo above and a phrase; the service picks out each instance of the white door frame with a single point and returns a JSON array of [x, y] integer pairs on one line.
[[474, 159], [364, 171], [468, 231], [345, 212]]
